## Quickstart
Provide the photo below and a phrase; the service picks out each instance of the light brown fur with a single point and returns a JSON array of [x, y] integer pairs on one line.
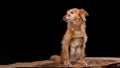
[[75, 38]]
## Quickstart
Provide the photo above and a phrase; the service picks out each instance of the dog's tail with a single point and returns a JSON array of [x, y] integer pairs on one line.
[[55, 58]]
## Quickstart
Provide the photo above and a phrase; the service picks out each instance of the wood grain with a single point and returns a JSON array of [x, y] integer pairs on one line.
[[93, 62]]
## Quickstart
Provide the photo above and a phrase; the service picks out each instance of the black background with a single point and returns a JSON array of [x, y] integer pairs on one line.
[[33, 31]]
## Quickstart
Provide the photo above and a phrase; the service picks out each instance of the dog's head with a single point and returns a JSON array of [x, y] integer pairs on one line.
[[75, 14]]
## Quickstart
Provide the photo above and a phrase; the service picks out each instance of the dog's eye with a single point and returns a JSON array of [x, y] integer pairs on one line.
[[71, 12]]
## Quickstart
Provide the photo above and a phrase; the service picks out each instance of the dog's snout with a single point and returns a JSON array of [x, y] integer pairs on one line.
[[65, 19], [68, 15]]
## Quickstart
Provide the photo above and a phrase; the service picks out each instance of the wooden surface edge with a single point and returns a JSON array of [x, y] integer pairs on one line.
[[41, 62]]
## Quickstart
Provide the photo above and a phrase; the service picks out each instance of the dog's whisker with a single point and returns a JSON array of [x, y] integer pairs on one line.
[[61, 21]]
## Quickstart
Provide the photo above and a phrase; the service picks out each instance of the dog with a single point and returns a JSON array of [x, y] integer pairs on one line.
[[75, 38]]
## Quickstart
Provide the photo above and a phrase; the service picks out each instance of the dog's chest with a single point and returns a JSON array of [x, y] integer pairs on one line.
[[75, 42], [76, 29]]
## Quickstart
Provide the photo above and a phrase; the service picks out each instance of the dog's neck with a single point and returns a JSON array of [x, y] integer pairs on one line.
[[75, 25], [78, 22]]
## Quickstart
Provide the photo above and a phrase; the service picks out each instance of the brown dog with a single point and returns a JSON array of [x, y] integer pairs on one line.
[[75, 38]]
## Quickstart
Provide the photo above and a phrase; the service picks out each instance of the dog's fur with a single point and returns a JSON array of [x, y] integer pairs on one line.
[[75, 38]]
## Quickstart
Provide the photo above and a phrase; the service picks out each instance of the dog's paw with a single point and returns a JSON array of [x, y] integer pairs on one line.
[[85, 64], [67, 64]]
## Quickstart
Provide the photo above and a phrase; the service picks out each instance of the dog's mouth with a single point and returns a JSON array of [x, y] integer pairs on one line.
[[66, 20]]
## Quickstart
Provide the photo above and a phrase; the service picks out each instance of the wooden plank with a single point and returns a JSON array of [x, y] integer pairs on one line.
[[93, 62]]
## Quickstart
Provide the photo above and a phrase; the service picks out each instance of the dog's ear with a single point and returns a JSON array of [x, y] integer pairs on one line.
[[83, 12]]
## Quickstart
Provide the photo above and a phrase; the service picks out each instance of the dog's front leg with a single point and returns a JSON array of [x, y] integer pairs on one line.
[[66, 56], [65, 47], [82, 57]]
